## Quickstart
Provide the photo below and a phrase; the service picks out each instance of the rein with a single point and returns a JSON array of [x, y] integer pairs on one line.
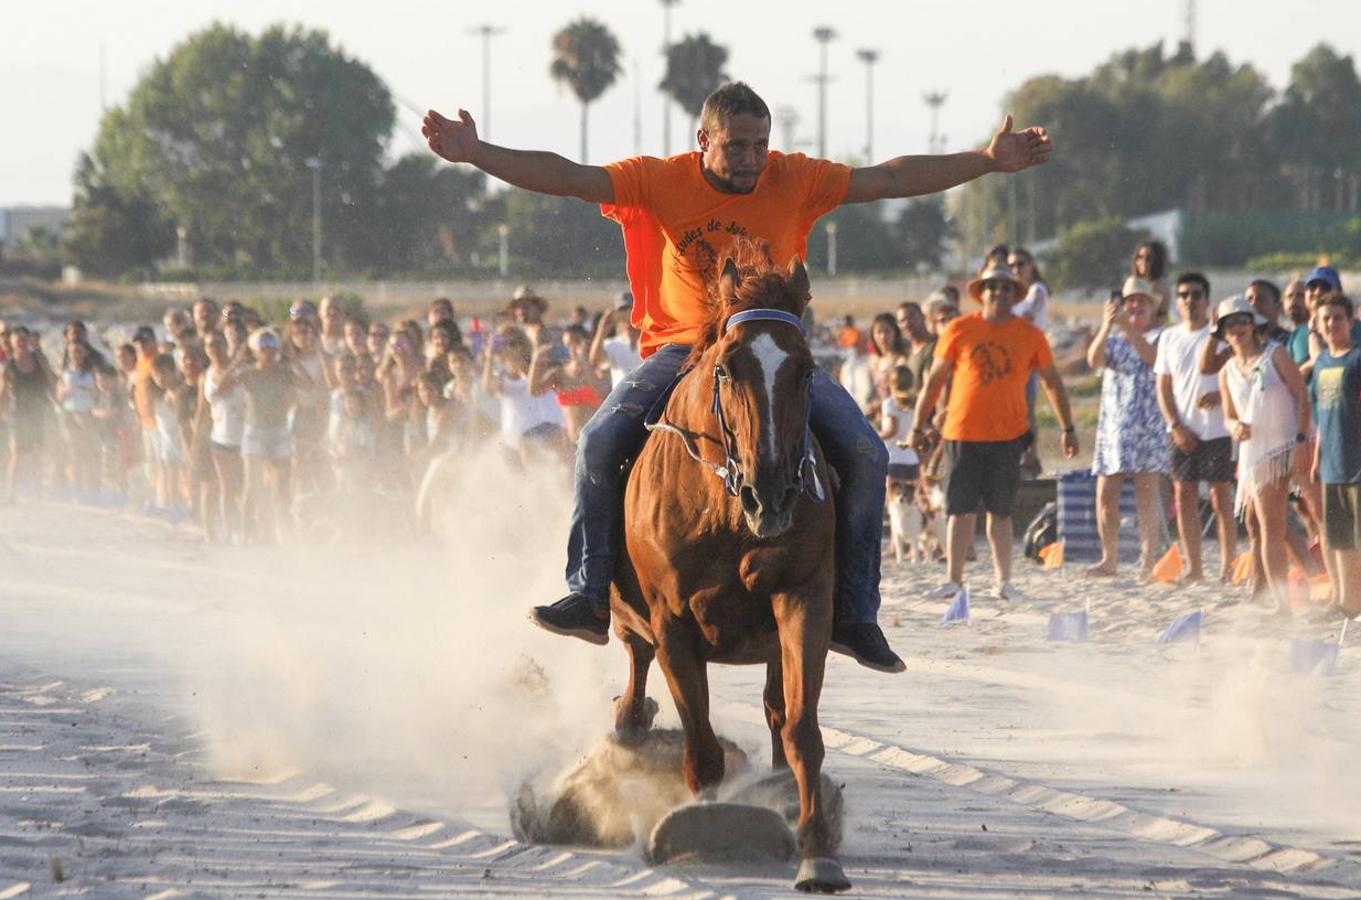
[[730, 472]]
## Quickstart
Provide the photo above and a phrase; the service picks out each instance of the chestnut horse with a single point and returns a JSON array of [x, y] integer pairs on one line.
[[738, 568]]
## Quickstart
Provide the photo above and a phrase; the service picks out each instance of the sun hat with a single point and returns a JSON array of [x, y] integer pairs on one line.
[[1233, 306], [1135, 286], [994, 273], [1326, 274]]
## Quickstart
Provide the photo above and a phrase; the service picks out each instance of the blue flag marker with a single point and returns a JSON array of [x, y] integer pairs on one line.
[[1183, 628], [1313, 657], [959, 608], [1068, 626]]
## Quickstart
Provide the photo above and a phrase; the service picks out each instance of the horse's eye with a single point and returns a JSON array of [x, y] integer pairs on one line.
[[721, 372]]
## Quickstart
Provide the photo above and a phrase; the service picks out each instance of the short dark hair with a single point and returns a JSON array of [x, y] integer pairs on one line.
[[736, 98], [1270, 287], [1194, 278], [1341, 300]]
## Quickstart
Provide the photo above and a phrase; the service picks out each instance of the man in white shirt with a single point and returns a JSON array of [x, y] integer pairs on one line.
[[1201, 447], [616, 341]]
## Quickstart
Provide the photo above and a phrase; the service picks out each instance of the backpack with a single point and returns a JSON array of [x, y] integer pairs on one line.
[[1042, 531]]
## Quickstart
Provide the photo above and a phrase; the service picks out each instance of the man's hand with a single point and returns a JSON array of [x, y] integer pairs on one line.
[[1185, 439], [455, 141], [1069, 444], [1212, 400], [1012, 151]]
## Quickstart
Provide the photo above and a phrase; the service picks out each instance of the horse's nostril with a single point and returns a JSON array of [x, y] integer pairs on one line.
[[791, 495], [749, 502]]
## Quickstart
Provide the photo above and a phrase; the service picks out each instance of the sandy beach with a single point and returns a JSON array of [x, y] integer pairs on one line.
[[182, 719]]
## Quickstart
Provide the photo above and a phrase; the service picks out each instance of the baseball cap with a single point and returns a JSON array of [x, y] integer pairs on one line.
[[624, 300], [1325, 274], [144, 333]]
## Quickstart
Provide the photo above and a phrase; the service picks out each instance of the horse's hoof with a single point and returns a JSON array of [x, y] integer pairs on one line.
[[821, 875], [632, 726]]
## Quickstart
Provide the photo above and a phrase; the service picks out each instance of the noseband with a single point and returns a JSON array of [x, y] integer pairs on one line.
[[730, 471]]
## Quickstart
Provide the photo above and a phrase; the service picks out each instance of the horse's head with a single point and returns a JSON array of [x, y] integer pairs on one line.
[[763, 372]]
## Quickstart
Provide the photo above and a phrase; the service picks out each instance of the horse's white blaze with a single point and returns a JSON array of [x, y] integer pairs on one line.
[[769, 356]]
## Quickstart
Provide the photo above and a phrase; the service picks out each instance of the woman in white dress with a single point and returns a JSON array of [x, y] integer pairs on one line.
[[1267, 412]]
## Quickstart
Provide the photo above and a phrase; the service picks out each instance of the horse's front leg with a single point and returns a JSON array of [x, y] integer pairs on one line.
[[687, 676], [773, 701], [805, 631], [634, 711]]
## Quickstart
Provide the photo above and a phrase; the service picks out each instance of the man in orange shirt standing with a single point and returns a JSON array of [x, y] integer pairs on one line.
[[990, 356], [681, 217]]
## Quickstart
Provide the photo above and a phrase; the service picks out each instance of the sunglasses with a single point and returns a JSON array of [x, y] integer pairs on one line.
[[1192, 294], [300, 310]]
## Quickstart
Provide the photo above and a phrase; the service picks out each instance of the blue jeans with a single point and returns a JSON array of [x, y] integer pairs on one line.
[[616, 433]]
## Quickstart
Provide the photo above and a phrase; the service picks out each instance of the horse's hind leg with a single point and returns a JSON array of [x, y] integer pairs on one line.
[[634, 711], [804, 634], [688, 679], [773, 700]]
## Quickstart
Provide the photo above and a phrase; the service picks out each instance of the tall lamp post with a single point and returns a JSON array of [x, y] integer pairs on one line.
[[503, 232], [666, 63], [831, 248], [935, 100], [823, 35], [487, 32], [869, 58], [314, 163]]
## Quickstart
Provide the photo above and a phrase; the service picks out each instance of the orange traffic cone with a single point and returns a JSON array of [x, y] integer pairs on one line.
[[1168, 569], [1052, 555], [1242, 568]]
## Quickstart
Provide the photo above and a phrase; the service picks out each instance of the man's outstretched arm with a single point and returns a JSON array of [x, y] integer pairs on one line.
[[534, 170], [912, 176]]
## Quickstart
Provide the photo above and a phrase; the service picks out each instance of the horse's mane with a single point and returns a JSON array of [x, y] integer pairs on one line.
[[761, 285]]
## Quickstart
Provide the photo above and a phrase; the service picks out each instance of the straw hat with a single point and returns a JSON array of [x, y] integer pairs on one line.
[[1235, 305], [994, 273]]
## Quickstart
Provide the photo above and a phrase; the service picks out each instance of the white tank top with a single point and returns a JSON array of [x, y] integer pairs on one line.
[[1263, 401]]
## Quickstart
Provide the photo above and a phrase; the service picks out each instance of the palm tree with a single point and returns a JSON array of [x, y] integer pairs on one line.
[[586, 57], [694, 70]]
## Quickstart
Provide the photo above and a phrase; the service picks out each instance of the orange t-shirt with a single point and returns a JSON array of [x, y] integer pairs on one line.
[[144, 392], [678, 228], [992, 364]]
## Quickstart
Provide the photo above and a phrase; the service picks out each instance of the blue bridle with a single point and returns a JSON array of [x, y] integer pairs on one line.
[[730, 471]]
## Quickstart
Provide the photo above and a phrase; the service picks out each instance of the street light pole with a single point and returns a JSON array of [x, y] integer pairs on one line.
[[823, 35], [869, 58], [487, 32], [935, 100], [503, 232], [314, 163], [831, 248], [666, 66]]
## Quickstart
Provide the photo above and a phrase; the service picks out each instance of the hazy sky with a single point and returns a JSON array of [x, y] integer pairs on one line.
[[975, 49]]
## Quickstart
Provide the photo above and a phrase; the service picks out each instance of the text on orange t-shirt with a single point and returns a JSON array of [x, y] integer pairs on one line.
[[678, 229], [992, 363]]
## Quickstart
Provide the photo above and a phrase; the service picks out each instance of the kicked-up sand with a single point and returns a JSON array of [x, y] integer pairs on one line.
[[181, 719]]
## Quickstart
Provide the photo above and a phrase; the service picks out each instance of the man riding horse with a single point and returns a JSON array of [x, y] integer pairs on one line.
[[681, 218]]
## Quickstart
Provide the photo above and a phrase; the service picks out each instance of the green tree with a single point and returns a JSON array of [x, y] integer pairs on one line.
[[694, 70], [559, 235], [218, 135], [428, 216], [1092, 254], [115, 228], [921, 232], [586, 59], [1319, 119]]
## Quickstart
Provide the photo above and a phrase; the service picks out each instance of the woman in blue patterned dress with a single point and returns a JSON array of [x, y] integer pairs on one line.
[[1131, 439]]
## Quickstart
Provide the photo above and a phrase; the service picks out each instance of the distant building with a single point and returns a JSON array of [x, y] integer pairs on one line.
[[17, 221]]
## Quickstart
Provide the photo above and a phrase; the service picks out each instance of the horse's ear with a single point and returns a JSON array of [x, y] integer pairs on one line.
[[728, 281], [797, 282]]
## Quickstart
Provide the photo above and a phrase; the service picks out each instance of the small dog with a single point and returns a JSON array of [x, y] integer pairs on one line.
[[931, 502], [905, 521]]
